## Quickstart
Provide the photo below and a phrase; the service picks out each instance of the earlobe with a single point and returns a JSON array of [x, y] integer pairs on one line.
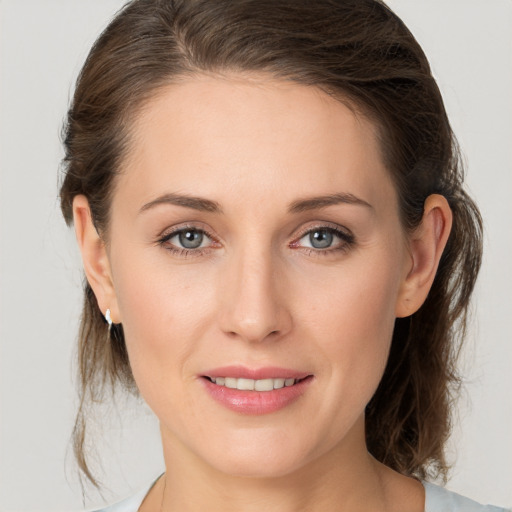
[[427, 244], [94, 257]]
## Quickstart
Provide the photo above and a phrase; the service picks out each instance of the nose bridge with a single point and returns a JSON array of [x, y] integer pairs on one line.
[[253, 306]]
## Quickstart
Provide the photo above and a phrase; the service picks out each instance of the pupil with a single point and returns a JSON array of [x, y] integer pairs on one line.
[[321, 239], [191, 239]]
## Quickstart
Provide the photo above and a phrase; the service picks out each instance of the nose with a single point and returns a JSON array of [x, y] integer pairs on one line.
[[254, 299]]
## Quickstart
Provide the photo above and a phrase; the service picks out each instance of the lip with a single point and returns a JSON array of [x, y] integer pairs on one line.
[[256, 402], [268, 372]]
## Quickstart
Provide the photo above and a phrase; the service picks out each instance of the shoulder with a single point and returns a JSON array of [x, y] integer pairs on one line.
[[439, 499], [130, 504]]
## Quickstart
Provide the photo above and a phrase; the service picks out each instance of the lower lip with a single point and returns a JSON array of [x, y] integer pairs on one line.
[[256, 402]]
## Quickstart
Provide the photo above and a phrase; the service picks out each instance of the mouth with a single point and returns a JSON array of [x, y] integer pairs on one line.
[[243, 384], [256, 391], [256, 396]]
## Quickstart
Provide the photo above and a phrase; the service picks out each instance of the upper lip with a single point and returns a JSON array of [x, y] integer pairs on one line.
[[268, 372]]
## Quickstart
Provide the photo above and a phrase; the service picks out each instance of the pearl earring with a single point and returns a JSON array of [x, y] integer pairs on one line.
[[108, 319]]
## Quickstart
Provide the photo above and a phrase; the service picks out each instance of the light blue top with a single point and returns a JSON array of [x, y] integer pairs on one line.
[[437, 499]]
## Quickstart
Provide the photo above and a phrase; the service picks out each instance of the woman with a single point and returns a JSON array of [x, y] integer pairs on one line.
[[278, 250]]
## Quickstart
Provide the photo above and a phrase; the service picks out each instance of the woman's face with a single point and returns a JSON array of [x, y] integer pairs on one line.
[[255, 237]]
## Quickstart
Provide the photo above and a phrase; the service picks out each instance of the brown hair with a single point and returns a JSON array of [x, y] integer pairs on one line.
[[356, 50]]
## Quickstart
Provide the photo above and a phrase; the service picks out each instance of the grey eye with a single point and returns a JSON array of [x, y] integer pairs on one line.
[[190, 238], [321, 238]]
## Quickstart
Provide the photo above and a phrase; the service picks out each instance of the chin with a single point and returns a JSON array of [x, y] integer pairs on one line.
[[272, 458]]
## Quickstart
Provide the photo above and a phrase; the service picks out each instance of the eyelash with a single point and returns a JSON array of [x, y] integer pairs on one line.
[[347, 240], [182, 251]]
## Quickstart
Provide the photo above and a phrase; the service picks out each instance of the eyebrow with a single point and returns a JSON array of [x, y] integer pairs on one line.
[[314, 203], [299, 206], [196, 203]]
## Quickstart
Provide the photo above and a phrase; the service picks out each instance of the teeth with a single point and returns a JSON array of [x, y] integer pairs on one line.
[[251, 384], [279, 383], [263, 385], [247, 385], [230, 382]]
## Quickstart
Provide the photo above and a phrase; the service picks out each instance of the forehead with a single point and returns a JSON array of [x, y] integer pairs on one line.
[[239, 136]]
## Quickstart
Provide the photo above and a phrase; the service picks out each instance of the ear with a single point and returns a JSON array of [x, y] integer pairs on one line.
[[94, 258], [427, 244]]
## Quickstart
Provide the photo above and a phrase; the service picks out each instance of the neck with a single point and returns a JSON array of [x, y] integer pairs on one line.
[[345, 478]]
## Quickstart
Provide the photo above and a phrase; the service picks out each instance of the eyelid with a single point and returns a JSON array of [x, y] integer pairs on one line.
[[329, 226], [169, 233], [345, 236], [174, 230]]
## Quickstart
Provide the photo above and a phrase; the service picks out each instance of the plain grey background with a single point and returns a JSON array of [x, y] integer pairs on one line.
[[42, 46]]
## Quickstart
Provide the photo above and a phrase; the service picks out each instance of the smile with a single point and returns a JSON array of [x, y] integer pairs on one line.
[[252, 384], [261, 395]]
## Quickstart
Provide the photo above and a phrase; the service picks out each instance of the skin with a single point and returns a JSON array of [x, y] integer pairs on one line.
[[258, 293]]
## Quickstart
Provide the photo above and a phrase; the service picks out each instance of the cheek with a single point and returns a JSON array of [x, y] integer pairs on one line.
[[352, 320], [165, 313], [355, 301]]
